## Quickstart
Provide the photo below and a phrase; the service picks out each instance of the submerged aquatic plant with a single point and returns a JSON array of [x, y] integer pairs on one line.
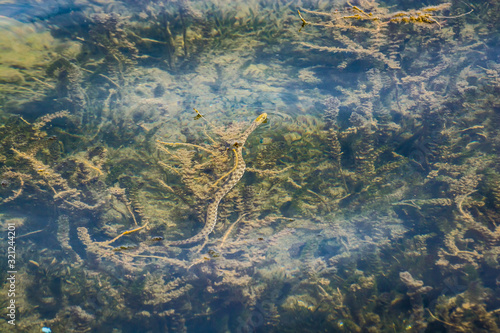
[[368, 204], [371, 33]]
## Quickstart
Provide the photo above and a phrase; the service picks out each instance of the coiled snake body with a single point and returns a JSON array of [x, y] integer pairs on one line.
[[234, 178]]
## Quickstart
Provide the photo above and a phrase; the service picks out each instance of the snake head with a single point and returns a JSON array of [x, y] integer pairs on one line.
[[234, 144], [261, 119]]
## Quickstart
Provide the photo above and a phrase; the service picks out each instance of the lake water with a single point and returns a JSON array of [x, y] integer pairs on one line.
[[250, 166]]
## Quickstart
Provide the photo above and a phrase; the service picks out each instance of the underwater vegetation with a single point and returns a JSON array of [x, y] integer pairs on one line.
[[370, 200]]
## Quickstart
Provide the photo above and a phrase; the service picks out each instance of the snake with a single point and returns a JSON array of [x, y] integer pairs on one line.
[[234, 178]]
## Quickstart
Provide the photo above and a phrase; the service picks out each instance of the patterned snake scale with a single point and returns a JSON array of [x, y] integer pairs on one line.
[[234, 178]]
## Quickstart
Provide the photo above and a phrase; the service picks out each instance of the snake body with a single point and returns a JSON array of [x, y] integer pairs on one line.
[[234, 178]]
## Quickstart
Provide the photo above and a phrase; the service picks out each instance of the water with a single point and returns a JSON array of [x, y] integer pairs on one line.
[[370, 199]]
